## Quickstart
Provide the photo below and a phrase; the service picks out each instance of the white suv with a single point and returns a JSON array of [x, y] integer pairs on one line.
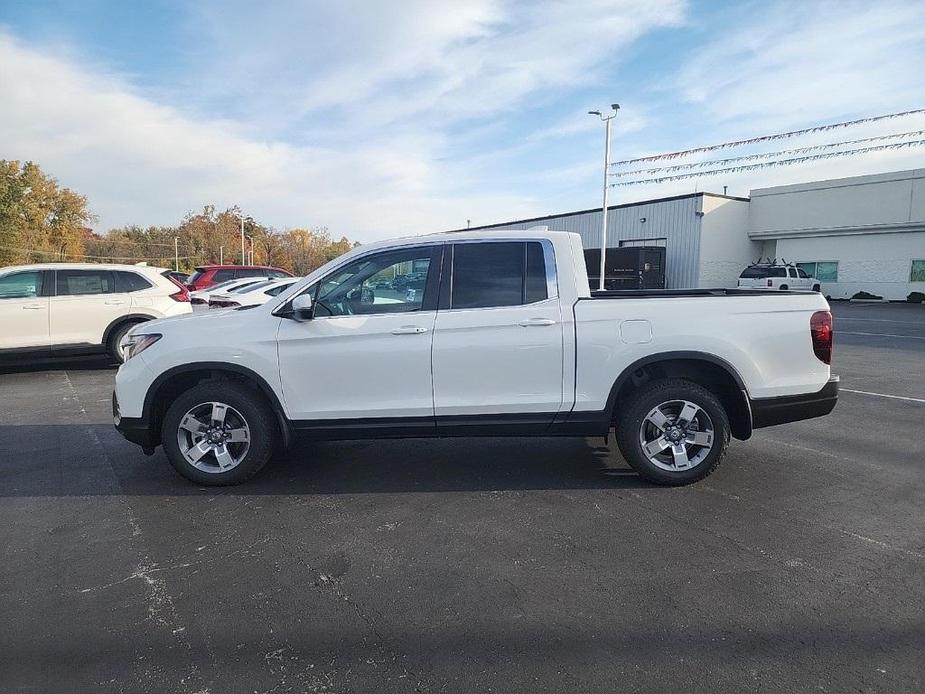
[[75, 308], [777, 276]]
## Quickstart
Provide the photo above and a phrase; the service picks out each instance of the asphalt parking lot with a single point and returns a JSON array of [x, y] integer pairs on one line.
[[472, 565]]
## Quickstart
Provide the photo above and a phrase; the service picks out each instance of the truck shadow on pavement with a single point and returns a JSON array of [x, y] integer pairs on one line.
[[31, 365], [93, 460]]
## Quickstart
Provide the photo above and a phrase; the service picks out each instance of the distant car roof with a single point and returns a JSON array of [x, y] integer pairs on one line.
[[238, 267], [86, 266]]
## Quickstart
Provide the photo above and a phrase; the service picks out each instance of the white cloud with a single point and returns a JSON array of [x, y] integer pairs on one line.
[[792, 65], [794, 62], [390, 62], [385, 88]]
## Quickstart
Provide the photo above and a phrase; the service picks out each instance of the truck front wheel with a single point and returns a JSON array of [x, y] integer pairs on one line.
[[673, 432], [218, 433]]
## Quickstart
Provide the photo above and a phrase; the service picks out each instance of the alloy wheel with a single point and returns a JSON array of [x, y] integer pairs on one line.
[[213, 437], [676, 435]]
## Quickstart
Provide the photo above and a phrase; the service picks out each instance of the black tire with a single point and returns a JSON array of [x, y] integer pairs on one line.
[[247, 403], [115, 339], [632, 419], [817, 288], [784, 287]]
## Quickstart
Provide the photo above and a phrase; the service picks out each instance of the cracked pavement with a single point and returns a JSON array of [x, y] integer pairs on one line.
[[470, 565]]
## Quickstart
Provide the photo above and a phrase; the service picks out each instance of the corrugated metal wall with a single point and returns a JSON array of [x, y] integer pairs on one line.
[[675, 220]]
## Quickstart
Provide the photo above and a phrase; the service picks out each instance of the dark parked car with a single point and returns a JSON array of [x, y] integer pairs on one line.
[[413, 280]]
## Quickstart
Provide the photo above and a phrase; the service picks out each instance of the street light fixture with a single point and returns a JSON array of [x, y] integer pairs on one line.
[[606, 119]]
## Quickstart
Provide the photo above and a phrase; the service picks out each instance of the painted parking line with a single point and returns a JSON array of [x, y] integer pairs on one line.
[[882, 395], [906, 337]]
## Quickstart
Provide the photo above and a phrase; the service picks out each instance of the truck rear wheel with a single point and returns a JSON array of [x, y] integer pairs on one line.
[[674, 432], [218, 433]]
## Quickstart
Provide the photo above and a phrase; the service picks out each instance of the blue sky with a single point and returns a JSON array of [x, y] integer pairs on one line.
[[377, 119]]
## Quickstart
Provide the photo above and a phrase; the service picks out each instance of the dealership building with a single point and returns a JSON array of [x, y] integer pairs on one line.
[[864, 233]]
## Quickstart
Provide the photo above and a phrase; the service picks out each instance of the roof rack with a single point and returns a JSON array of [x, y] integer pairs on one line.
[[772, 262]]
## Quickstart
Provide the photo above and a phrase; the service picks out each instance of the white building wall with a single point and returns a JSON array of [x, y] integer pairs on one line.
[[725, 248], [873, 226], [880, 264]]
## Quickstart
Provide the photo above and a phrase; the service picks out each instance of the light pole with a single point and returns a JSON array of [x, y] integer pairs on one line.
[[606, 118], [240, 215], [250, 240], [176, 254], [221, 255]]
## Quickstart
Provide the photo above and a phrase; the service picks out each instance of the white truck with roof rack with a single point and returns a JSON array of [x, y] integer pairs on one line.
[[503, 338], [777, 275]]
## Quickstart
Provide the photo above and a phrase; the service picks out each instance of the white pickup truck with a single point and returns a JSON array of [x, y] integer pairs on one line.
[[475, 334]]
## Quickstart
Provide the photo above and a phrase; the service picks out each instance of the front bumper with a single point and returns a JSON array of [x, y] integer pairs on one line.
[[767, 412], [135, 429]]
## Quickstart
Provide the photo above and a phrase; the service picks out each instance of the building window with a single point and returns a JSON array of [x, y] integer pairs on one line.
[[822, 270], [918, 271], [634, 243]]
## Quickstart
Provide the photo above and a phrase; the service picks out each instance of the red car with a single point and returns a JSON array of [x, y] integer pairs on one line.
[[207, 275]]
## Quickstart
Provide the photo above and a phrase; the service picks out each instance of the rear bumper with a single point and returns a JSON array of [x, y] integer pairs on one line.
[[767, 412], [135, 429]]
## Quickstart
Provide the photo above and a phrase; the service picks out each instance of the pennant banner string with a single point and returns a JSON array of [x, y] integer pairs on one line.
[[766, 164], [766, 155], [766, 138]]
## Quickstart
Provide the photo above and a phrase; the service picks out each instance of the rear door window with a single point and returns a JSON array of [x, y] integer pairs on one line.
[[487, 274], [506, 273], [754, 273], [224, 275], [251, 272], [83, 282]]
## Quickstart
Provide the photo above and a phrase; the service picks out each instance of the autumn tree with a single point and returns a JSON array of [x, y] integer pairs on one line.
[[39, 220]]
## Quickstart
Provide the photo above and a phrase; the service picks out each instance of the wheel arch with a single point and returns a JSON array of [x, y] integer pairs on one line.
[[122, 320], [708, 370], [181, 378]]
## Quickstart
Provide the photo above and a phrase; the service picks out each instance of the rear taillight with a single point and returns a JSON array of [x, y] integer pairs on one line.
[[820, 328], [182, 295], [770, 282]]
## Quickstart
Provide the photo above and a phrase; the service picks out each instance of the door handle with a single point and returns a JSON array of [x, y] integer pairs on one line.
[[534, 322], [32, 307], [409, 330]]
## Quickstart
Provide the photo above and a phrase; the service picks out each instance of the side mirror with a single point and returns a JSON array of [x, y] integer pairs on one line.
[[302, 307]]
